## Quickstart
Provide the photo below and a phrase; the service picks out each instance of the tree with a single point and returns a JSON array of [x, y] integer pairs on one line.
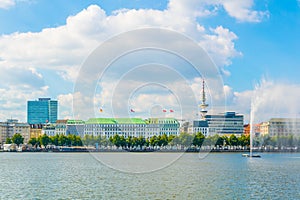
[[8, 141], [153, 141], [116, 140], [54, 140], [233, 141], [141, 141], [198, 139], [220, 141], [186, 139], [62, 140], [164, 140], [33, 141], [44, 140], [129, 142], [17, 139], [244, 140]]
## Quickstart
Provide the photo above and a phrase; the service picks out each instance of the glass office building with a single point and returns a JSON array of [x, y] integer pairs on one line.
[[42, 111]]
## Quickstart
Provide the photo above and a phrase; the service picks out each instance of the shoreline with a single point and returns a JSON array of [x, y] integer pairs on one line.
[[153, 151]]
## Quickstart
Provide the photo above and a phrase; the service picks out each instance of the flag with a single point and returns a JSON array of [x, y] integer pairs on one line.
[[131, 110], [171, 110], [164, 110]]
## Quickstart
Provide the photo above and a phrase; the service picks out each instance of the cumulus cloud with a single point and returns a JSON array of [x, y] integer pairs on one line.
[[241, 10], [6, 4], [63, 49], [269, 99], [13, 100]]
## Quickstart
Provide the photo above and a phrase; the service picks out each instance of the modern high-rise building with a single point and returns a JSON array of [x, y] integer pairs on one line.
[[225, 124], [42, 111]]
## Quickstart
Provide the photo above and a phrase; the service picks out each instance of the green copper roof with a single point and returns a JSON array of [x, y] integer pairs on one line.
[[161, 121], [115, 121], [130, 121], [100, 121], [74, 121]]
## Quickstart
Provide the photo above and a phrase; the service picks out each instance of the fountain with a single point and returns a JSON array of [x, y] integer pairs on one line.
[[252, 129]]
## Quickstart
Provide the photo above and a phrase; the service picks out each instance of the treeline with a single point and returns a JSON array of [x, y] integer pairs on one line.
[[57, 140], [183, 140], [277, 141]]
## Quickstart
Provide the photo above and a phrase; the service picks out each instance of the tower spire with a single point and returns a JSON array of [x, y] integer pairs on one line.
[[203, 104]]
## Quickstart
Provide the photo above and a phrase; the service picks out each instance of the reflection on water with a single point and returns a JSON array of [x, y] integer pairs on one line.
[[217, 176]]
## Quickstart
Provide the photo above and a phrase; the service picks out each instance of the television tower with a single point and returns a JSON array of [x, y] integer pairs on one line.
[[203, 104]]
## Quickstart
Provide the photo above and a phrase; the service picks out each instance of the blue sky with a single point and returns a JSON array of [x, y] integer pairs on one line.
[[256, 45]]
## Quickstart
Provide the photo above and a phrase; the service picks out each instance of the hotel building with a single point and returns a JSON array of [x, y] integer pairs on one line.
[[131, 127]]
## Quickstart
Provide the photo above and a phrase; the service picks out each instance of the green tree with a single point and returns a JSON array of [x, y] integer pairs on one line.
[[164, 140], [198, 139], [186, 139], [153, 141], [129, 142], [17, 139], [244, 140], [122, 141], [233, 140], [62, 140], [8, 140], [45, 140], [33, 141], [141, 142], [116, 140], [54, 140], [171, 138]]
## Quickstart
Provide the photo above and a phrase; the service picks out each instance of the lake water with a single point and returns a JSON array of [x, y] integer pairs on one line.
[[90, 176]]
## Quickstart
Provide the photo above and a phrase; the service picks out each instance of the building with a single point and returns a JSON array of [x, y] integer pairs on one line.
[[75, 127], [281, 127], [61, 127], [226, 124], [11, 127], [42, 111], [131, 127], [35, 132], [49, 130], [247, 129], [222, 124], [199, 126], [109, 127], [161, 126], [264, 128]]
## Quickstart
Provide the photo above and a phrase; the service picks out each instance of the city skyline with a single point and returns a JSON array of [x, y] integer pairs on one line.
[[253, 44]]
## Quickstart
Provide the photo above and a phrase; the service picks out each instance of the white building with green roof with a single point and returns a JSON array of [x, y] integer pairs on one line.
[[134, 127], [160, 126]]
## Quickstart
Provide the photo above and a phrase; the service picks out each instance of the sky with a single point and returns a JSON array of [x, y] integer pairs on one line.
[[250, 50]]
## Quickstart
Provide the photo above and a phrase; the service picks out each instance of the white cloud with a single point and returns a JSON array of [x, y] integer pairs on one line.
[[269, 99], [63, 49], [241, 10], [13, 100], [220, 46], [6, 4]]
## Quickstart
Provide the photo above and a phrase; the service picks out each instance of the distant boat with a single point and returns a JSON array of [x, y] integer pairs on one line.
[[251, 156]]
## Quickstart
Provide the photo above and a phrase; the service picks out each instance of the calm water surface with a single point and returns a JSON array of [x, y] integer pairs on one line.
[[217, 176]]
